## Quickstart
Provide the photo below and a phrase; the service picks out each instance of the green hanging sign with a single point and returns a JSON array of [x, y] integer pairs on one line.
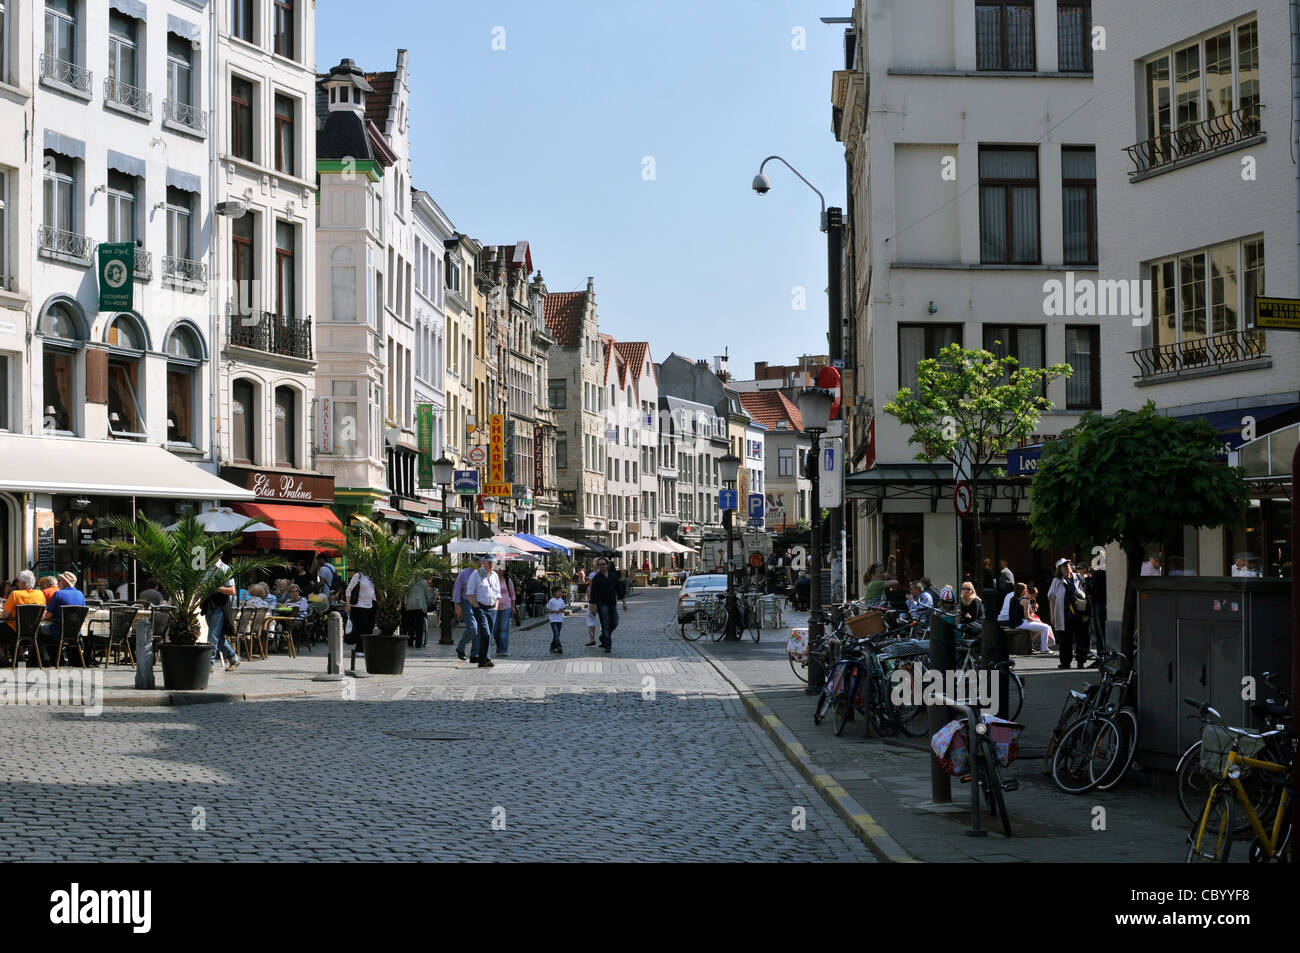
[[116, 276], [424, 438]]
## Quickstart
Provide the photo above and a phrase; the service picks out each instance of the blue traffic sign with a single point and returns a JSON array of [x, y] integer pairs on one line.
[[756, 508], [465, 481], [727, 500]]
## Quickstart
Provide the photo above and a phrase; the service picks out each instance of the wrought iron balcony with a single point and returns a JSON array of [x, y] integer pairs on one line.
[[131, 98], [62, 71], [69, 246], [272, 333], [1219, 350], [188, 274], [183, 114], [143, 265], [1199, 139]]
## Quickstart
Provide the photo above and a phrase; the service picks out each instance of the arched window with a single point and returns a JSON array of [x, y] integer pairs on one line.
[[63, 329], [286, 427], [127, 339], [184, 358], [243, 422]]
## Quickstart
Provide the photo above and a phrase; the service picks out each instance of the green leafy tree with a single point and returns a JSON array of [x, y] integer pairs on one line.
[[1131, 478], [969, 408], [390, 561], [181, 560]]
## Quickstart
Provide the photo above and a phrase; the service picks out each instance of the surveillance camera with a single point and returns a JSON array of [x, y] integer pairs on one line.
[[762, 184]]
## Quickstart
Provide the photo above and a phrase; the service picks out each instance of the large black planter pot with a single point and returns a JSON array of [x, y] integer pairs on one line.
[[385, 654], [186, 667]]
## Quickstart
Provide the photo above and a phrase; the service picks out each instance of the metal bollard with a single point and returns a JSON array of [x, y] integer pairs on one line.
[[446, 621], [943, 658], [334, 650], [144, 653]]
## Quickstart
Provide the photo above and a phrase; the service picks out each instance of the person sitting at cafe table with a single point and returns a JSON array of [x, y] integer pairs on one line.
[[151, 593], [257, 594], [49, 585], [25, 594], [281, 591], [296, 601], [67, 594]]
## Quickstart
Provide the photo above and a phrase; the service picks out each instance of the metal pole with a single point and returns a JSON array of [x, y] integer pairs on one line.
[[446, 608], [727, 517], [1295, 621], [815, 674], [943, 659], [835, 350]]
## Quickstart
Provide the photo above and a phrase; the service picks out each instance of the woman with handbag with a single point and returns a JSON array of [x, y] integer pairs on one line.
[[505, 610], [1068, 607]]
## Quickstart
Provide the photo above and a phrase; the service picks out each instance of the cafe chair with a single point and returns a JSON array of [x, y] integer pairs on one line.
[[71, 619], [27, 622], [160, 618], [120, 620]]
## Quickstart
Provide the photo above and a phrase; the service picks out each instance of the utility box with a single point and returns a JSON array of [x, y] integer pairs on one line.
[[1200, 637]]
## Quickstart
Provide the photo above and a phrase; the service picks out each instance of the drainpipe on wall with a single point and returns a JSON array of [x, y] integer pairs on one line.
[[214, 345]]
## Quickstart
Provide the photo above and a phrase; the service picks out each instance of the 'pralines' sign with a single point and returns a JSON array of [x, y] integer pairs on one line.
[[271, 486]]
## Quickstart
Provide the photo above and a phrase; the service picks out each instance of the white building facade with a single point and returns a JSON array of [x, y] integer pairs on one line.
[[432, 229]]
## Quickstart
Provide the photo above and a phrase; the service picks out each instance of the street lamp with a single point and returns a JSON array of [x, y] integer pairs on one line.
[[443, 473], [815, 409], [729, 470], [762, 184]]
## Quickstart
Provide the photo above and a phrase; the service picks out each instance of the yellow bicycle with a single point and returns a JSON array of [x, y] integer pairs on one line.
[[1231, 754]]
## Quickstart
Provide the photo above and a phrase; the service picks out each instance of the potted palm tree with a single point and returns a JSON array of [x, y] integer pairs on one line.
[[393, 565], [181, 560]]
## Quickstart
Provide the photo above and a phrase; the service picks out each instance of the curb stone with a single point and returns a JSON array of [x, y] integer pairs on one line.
[[864, 826]]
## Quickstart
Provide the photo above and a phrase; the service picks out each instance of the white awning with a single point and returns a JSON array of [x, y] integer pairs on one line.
[[107, 468]]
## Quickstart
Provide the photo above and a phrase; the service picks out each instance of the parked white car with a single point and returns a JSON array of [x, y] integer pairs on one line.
[[695, 586]]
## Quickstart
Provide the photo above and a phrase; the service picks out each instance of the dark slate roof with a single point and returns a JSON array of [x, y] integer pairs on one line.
[[344, 135]]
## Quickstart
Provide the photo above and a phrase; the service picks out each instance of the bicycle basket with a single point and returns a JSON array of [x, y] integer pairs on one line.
[[950, 743], [866, 624], [1215, 744], [797, 644]]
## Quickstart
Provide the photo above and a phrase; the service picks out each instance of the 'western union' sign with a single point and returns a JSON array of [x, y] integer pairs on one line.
[[1281, 314]]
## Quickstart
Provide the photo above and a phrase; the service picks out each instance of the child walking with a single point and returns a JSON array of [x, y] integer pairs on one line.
[[555, 613], [593, 620]]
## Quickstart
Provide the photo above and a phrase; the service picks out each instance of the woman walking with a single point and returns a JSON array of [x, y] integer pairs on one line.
[[505, 609], [1066, 598], [360, 606]]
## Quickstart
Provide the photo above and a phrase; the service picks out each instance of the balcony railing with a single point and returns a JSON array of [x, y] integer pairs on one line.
[[1202, 138], [271, 333], [69, 74], [184, 272], [58, 243], [143, 265], [183, 114], [137, 100], [1220, 350]]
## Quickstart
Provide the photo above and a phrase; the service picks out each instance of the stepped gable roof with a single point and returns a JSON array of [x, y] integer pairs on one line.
[[564, 312], [769, 407]]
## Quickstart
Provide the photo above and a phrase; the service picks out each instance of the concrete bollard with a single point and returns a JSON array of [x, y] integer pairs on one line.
[[334, 650], [144, 653]]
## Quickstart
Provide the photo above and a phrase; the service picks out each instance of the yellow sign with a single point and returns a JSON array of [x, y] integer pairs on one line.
[[496, 447], [1279, 314], [498, 489]]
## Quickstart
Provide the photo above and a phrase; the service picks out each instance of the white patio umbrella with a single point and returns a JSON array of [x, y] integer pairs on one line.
[[223, 519], [480, 547]]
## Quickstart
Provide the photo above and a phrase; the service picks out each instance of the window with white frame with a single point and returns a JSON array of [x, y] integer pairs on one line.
[[60, 191], [60, 33], [123, 56], [121, 207], [1199, 294], [343, 284], [7, 281], [180, 224], [180, 70]]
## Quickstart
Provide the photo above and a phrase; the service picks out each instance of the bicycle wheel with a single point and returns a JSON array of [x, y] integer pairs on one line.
[[1015, 695], [691, 631], [1069, 712], [1126, 720], [1195, 783], [1087, 750], [992, 782], [754, 622], [906, 683], [800, 668], [1211, 841], [843, 710]]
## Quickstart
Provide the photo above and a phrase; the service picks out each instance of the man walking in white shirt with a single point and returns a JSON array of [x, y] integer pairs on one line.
[[484, 595]]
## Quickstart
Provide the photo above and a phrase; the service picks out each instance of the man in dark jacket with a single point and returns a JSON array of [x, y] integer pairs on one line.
[[603, 594]]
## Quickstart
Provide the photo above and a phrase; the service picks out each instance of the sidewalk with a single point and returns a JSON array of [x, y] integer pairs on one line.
[[882, 787]]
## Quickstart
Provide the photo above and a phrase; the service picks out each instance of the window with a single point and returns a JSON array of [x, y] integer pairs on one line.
[[343, 284], [346, 422], [557, 393], [4, 75], [1083, 353], [1194, 100], [285, 300], [183, 359], [916, 342], [180, 219], [1008, 205], [1004, 35], [785, 462], [286, 428], [1208, 292], [5, 283], [242, 231], [1079, 201], [125, 418], [1023, 343], [562, 451], [60, 191], [243, 422], [241, 119], [180, 70], [1074, 36], [122, 54], [284, 134], [284, 28], [61, 340], [121, 207], [61, 31], [241, 19]]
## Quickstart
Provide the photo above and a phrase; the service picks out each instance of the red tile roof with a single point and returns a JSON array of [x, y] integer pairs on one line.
[[564, 313], [635, 353], [770, 406], [378, 102]]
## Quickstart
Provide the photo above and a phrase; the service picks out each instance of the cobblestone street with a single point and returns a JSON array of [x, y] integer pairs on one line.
[[642, 755]]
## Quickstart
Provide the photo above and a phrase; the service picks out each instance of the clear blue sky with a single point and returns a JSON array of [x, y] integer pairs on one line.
[[544, 141]]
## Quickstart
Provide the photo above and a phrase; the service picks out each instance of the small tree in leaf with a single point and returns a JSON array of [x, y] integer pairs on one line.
[[970, 407], [1131, 478]]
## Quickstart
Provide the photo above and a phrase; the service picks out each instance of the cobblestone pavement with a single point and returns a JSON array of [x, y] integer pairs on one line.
[[645, 754]]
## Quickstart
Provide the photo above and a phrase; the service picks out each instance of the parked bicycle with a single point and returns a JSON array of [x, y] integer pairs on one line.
[[710, 618], [1095, 737], [970, 661], [1232, 753]]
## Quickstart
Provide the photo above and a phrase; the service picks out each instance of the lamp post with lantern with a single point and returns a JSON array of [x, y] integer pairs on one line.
[[728, 471], [815, 409], [443, 474]]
